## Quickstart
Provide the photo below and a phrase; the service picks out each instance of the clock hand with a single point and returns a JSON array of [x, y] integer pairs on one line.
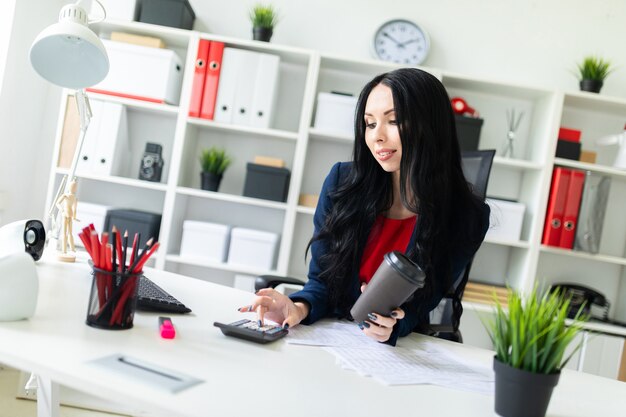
[[390, 37], [407, 42]]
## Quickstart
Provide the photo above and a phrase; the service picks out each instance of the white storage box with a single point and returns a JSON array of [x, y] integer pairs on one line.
[[505, 220], [142, 72], [116, 9], [335, 113], [252, 248], [88, 213], [203, 240]]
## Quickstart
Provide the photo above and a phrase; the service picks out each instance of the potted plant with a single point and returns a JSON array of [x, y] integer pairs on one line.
[[214, 162], [264, 18], [530, 341], [592, 72]]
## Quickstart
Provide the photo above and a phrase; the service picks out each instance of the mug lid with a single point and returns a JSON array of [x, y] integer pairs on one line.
[[408, 269]]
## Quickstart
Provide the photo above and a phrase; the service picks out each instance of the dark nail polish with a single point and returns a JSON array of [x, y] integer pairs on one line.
[[239, 309], [366, 325], [361, 326], [371, 316], [394, 314], [286, 326], [259, 323]]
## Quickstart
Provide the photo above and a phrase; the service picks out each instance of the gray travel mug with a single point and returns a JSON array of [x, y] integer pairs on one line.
[[395, 280]]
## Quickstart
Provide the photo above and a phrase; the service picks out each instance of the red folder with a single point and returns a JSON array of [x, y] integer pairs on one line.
[[556, 205], [572, 205], [212, 80], [199, 77]]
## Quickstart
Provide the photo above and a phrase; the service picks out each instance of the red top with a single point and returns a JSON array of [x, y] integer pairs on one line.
[[386, 236]]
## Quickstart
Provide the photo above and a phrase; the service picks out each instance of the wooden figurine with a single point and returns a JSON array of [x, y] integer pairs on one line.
[[67, 203]]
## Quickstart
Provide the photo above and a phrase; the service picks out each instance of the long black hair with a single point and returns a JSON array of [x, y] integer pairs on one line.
[[430, 166]]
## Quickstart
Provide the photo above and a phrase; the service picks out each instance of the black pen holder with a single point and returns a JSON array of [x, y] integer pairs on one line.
[[113, 299]]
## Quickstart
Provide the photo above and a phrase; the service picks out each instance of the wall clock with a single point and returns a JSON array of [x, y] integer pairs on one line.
[[401, 41]]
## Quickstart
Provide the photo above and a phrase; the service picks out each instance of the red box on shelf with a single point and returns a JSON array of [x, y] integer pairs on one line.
[[571, 135]]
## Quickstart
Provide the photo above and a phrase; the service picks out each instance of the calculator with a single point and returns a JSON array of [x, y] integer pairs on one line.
[[250, 330]]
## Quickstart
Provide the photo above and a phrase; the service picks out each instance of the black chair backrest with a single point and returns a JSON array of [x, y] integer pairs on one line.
[[476, 168]]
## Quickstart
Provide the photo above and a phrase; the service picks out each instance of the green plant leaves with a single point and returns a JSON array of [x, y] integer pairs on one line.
[[594, 68], [263, 16], [533, 334], [214, 160]]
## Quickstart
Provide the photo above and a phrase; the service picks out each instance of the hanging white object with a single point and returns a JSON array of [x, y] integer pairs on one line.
[[19, 287], [619, 140]]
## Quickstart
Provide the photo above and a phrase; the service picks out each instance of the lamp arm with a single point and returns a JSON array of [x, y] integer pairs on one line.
[[84, 112], [104, 12]]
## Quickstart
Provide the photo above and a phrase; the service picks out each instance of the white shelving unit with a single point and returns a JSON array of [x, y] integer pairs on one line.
[[310, 152]]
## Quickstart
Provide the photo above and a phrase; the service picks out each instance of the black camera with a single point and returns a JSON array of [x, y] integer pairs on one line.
[[151, 163]]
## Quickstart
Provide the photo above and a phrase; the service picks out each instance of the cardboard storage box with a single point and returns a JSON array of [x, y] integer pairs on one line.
[[173, 13], [88, 213], [468, 132], [142, 72], [505, 220], [251, 247], [269, 183], [205, 240], [335, 113], [117, 9]]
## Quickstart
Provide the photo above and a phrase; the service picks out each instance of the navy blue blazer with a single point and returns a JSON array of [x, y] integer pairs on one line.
[[315, 291]]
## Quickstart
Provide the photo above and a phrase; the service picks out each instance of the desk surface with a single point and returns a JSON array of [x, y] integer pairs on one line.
[[240, 378]]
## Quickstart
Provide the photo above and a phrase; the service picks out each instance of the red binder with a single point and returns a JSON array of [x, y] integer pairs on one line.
[[556, 205], [212, 80], [199, 77], [572, 205]]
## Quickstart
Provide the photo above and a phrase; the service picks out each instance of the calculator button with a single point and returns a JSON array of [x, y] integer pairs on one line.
[[274, 330], [239, 323]]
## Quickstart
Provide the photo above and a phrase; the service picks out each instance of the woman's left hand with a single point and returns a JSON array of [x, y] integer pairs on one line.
[[379, 327]]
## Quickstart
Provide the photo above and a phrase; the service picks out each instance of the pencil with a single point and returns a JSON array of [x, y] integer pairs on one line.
[[125, 249], [139, 256]]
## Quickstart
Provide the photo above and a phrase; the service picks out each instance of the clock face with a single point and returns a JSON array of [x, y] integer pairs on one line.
[[402, 42]]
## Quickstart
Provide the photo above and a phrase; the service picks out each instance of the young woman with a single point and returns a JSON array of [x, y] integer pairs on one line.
[[405, 191]]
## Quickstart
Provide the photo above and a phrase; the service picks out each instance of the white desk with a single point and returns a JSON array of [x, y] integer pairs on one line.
[[241, 378]]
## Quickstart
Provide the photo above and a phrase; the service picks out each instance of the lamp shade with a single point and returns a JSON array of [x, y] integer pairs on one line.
[[68, 53]]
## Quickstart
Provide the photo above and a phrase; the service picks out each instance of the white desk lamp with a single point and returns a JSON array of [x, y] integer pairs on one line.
[[70, 55]]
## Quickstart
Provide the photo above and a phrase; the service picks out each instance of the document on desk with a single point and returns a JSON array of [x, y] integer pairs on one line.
[[415, 362]]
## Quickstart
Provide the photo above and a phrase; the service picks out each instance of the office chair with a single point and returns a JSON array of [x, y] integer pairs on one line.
[[476, 168]]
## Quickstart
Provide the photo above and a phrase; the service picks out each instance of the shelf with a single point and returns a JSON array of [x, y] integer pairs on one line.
[[136, 104], [614, 172], [212, 195], [173, 37], [516, 163], [583, 100], [584, 255], [341, 137], [476, 306], [493, 87], [274, 133], [130, 182], [517, 244], [244, 269], [306, 210]]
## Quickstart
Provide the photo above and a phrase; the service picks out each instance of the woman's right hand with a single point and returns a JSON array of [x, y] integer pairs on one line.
[[277, 307]]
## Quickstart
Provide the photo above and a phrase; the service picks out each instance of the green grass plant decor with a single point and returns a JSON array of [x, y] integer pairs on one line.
[[214, 160], [594, 68], [532, 334], [263, 16]]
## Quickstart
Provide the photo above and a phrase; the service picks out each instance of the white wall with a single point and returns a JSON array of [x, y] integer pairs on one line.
[[534, 42], [24, 111]]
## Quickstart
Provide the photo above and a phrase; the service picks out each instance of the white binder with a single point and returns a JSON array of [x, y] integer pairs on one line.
[[227, 85], [265, 89], [246, 81], [88, 150], [111, 156]]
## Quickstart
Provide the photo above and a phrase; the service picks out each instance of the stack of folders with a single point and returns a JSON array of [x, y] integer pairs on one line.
[[234, 85], [563, 207], [484, 293]]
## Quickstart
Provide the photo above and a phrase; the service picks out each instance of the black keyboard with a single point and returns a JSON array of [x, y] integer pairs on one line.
[[151, 297]]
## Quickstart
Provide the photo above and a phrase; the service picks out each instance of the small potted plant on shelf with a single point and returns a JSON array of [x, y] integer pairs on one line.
[[592, 72], [214, 162], [264, 18], [530, 341]]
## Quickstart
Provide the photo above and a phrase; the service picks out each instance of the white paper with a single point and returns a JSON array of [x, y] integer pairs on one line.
[[331, 333]]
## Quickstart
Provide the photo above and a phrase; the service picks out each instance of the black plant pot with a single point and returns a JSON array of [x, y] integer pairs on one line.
[[210, 181], [262, 34], [522, 393], [592, 86]]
